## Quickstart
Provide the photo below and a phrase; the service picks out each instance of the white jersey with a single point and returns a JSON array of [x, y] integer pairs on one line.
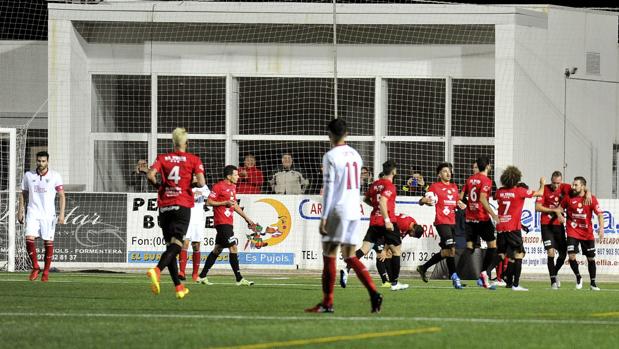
[[341, 181], [197, 211], [41, 193]]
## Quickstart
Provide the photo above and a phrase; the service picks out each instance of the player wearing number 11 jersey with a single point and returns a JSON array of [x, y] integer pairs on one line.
[[175, 200], [341, 216]]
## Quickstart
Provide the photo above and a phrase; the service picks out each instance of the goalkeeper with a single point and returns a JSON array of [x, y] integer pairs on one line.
[[223, 200], [443, 195]]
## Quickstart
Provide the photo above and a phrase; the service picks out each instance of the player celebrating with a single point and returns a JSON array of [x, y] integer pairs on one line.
[[443, 195], [195, 232], [175, 200], [510, 198], [580, 229], [341, 216], [478, 212], [223, 199], [39, 188], [553, 231]]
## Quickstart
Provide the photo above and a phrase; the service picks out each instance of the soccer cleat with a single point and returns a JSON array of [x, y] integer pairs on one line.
[[422, 273], [578, 282], [181, 276], [499, 283], [153, 274], [244, 282], [398, 287], [554, 286], [377, 301], [483, 280], [181, 292], [45, 276], [386, 284], [320, 308], [343, 278], [519, 288], [204, 281], [34, 274], [594, 288], [455, 280]]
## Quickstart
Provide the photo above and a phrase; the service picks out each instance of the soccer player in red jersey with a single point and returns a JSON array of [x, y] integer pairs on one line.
[[580, 228], [223, 199], [477, 189], [553, 230], [175, 200], [447, 201], [341, 216], [381, 196], [510, 198]]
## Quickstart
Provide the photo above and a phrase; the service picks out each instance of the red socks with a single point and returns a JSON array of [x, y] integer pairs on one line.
[[328, 280], [49, 253], [362, 273], [195, 258], [32, 253], [182, 261]]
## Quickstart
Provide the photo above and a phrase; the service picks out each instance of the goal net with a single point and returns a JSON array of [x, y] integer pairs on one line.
[[256, 84]]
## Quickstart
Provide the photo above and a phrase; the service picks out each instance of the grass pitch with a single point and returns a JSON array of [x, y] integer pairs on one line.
[[77, 310]]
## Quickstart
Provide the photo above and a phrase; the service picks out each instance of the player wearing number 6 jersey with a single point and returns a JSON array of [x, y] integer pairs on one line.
[[510, 198], [478, 212], [175, 200], [341, 215]]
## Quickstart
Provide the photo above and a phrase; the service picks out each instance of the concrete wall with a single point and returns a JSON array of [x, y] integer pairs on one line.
[[23, 77], [541, 56]]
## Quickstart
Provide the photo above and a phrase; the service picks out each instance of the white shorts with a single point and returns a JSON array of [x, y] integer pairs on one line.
[[195, 232], [44, 228], [343, 231]]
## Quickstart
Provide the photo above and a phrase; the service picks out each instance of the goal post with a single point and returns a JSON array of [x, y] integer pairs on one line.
[[9, 198]]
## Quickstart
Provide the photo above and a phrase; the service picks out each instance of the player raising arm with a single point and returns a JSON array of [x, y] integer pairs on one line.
[[580, 228], [510, 198]]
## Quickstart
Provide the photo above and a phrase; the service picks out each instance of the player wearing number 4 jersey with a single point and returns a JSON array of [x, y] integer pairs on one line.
[[443, 195], [510, 198], [478, 212], [175, 200], [341, 216]]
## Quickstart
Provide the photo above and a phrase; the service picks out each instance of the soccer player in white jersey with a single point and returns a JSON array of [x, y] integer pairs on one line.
[[195, 232], [341, 216], [39, 188]]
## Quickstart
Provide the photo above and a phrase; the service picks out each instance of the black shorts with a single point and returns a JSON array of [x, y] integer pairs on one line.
[[553, 236], [225, 236], [475, 230], [588, 246], [376, 232], [509, 242], [174, 221], [446, 232]]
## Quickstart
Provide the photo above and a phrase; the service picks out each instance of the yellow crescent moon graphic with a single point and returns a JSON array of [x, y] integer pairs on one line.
[[283, 223]]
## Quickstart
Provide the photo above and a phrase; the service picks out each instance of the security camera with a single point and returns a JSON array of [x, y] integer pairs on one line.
[[570, 71]]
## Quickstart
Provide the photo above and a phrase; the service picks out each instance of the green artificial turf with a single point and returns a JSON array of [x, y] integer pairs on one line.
[[77, 310]]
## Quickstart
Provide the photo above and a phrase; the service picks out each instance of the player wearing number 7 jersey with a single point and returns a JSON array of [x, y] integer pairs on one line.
[[510, 198], [175, 200], [341, 216]]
